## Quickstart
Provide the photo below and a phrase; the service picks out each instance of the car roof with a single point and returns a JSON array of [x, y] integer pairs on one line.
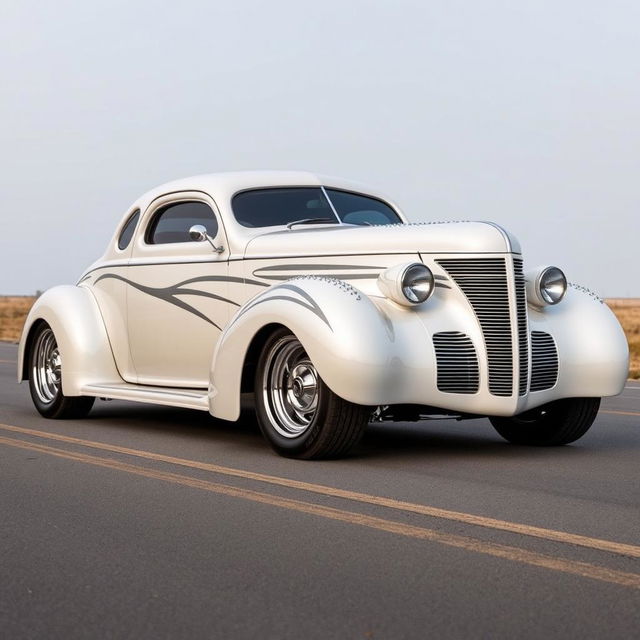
[[226, 184], [223, 186]]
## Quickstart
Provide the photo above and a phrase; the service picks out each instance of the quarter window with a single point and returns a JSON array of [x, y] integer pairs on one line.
[[172, 222], [127, 231]]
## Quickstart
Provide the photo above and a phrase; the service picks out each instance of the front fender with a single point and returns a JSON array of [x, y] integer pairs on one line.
[[593, 353], [349, 340], [73, 314]]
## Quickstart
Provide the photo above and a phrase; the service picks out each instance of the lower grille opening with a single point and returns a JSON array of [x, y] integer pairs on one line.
[[544, 361], [457, 363]]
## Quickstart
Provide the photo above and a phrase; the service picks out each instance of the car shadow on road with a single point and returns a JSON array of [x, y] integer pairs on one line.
[[438, 438], [476, 439], [185, 423], [433, 439]]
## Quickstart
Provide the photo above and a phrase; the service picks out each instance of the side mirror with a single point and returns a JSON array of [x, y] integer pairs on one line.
[[198, 233]]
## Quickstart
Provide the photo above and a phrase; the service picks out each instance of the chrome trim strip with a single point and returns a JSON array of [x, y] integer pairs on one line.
[[504, 233]]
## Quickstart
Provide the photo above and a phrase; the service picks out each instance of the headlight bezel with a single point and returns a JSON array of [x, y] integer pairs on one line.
[[541, 283], [404, 283]]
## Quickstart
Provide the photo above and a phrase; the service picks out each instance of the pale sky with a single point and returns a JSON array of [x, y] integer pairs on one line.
[[525, 113]]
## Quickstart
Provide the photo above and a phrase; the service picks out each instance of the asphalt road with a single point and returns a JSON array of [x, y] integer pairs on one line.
[[145, 522]]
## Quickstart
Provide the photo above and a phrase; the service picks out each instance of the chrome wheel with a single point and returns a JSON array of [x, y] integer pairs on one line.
[[290, 388], [47, 367], [298, 414]]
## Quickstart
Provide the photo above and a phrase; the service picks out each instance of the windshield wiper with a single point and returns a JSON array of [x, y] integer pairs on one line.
[[312, 221]]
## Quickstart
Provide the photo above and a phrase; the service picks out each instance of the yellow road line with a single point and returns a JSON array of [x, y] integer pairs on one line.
[[582, 569], [390, 503], [623, 413], [9, 361]]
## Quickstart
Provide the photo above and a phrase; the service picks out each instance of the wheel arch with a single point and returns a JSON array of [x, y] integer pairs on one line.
[[23, 367], [252, 355], [75, 319], [344, 333]]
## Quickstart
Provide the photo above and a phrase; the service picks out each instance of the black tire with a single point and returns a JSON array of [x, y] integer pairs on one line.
[[45, 379], [557, 423], [301, 417]]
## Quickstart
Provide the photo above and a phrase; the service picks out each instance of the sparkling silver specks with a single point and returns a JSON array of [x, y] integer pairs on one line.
[[590, 293], [422, 224], [341, 284]]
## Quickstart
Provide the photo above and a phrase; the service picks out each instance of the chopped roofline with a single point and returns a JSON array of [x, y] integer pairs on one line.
[[226, 184], [221, 187]]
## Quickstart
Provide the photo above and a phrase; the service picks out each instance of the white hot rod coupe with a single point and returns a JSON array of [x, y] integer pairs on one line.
[[321, 300]]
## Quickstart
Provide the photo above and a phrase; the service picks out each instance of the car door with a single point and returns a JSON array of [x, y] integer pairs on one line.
[[177, 298]]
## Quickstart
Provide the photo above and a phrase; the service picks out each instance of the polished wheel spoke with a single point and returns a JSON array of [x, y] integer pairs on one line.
[[47, 367], [290, 388]]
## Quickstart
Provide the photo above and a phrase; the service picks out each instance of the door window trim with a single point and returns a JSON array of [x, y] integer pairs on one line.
[[142, 248], [152, 224]]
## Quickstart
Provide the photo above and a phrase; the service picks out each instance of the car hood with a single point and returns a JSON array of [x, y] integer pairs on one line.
[[427, 237]]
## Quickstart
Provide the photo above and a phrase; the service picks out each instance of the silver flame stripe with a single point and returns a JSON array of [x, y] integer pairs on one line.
[[282, 272], [168, 294]]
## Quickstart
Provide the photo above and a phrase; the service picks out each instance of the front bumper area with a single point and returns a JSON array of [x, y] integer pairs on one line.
[[477, 347]]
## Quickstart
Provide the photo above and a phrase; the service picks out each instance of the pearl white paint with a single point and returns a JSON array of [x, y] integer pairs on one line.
[[124, 331]]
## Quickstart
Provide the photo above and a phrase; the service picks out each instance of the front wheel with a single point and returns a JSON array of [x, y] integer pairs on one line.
[[298, 414], [45, 379], [557, 423]]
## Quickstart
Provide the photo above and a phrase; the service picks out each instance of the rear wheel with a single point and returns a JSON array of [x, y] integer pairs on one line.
[[298, 414], [557, 423], [45, 379]]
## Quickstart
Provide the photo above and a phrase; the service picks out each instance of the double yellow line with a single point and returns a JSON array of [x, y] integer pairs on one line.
[[514, 554]]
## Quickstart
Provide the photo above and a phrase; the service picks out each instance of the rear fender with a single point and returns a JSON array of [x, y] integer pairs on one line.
[[74, 316]]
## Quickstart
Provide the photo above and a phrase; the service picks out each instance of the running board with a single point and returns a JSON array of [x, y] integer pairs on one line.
[[172, 397]]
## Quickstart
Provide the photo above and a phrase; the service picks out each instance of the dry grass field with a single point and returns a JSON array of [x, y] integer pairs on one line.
[[13, 310], [628, 312]]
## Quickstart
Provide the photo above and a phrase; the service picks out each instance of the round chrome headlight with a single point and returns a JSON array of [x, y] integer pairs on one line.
[[407, 284], [417, 283], [552, 285]]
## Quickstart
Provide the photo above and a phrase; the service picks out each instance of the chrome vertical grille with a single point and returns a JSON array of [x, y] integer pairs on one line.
[[544, 361], [457, 362], [484, 282], [523, 333]]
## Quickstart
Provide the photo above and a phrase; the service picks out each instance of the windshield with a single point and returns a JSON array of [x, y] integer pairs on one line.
[[355, 208], [281, 206]]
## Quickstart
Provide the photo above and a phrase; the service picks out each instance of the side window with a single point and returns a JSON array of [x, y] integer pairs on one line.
[[127, 231], [172, 222]]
